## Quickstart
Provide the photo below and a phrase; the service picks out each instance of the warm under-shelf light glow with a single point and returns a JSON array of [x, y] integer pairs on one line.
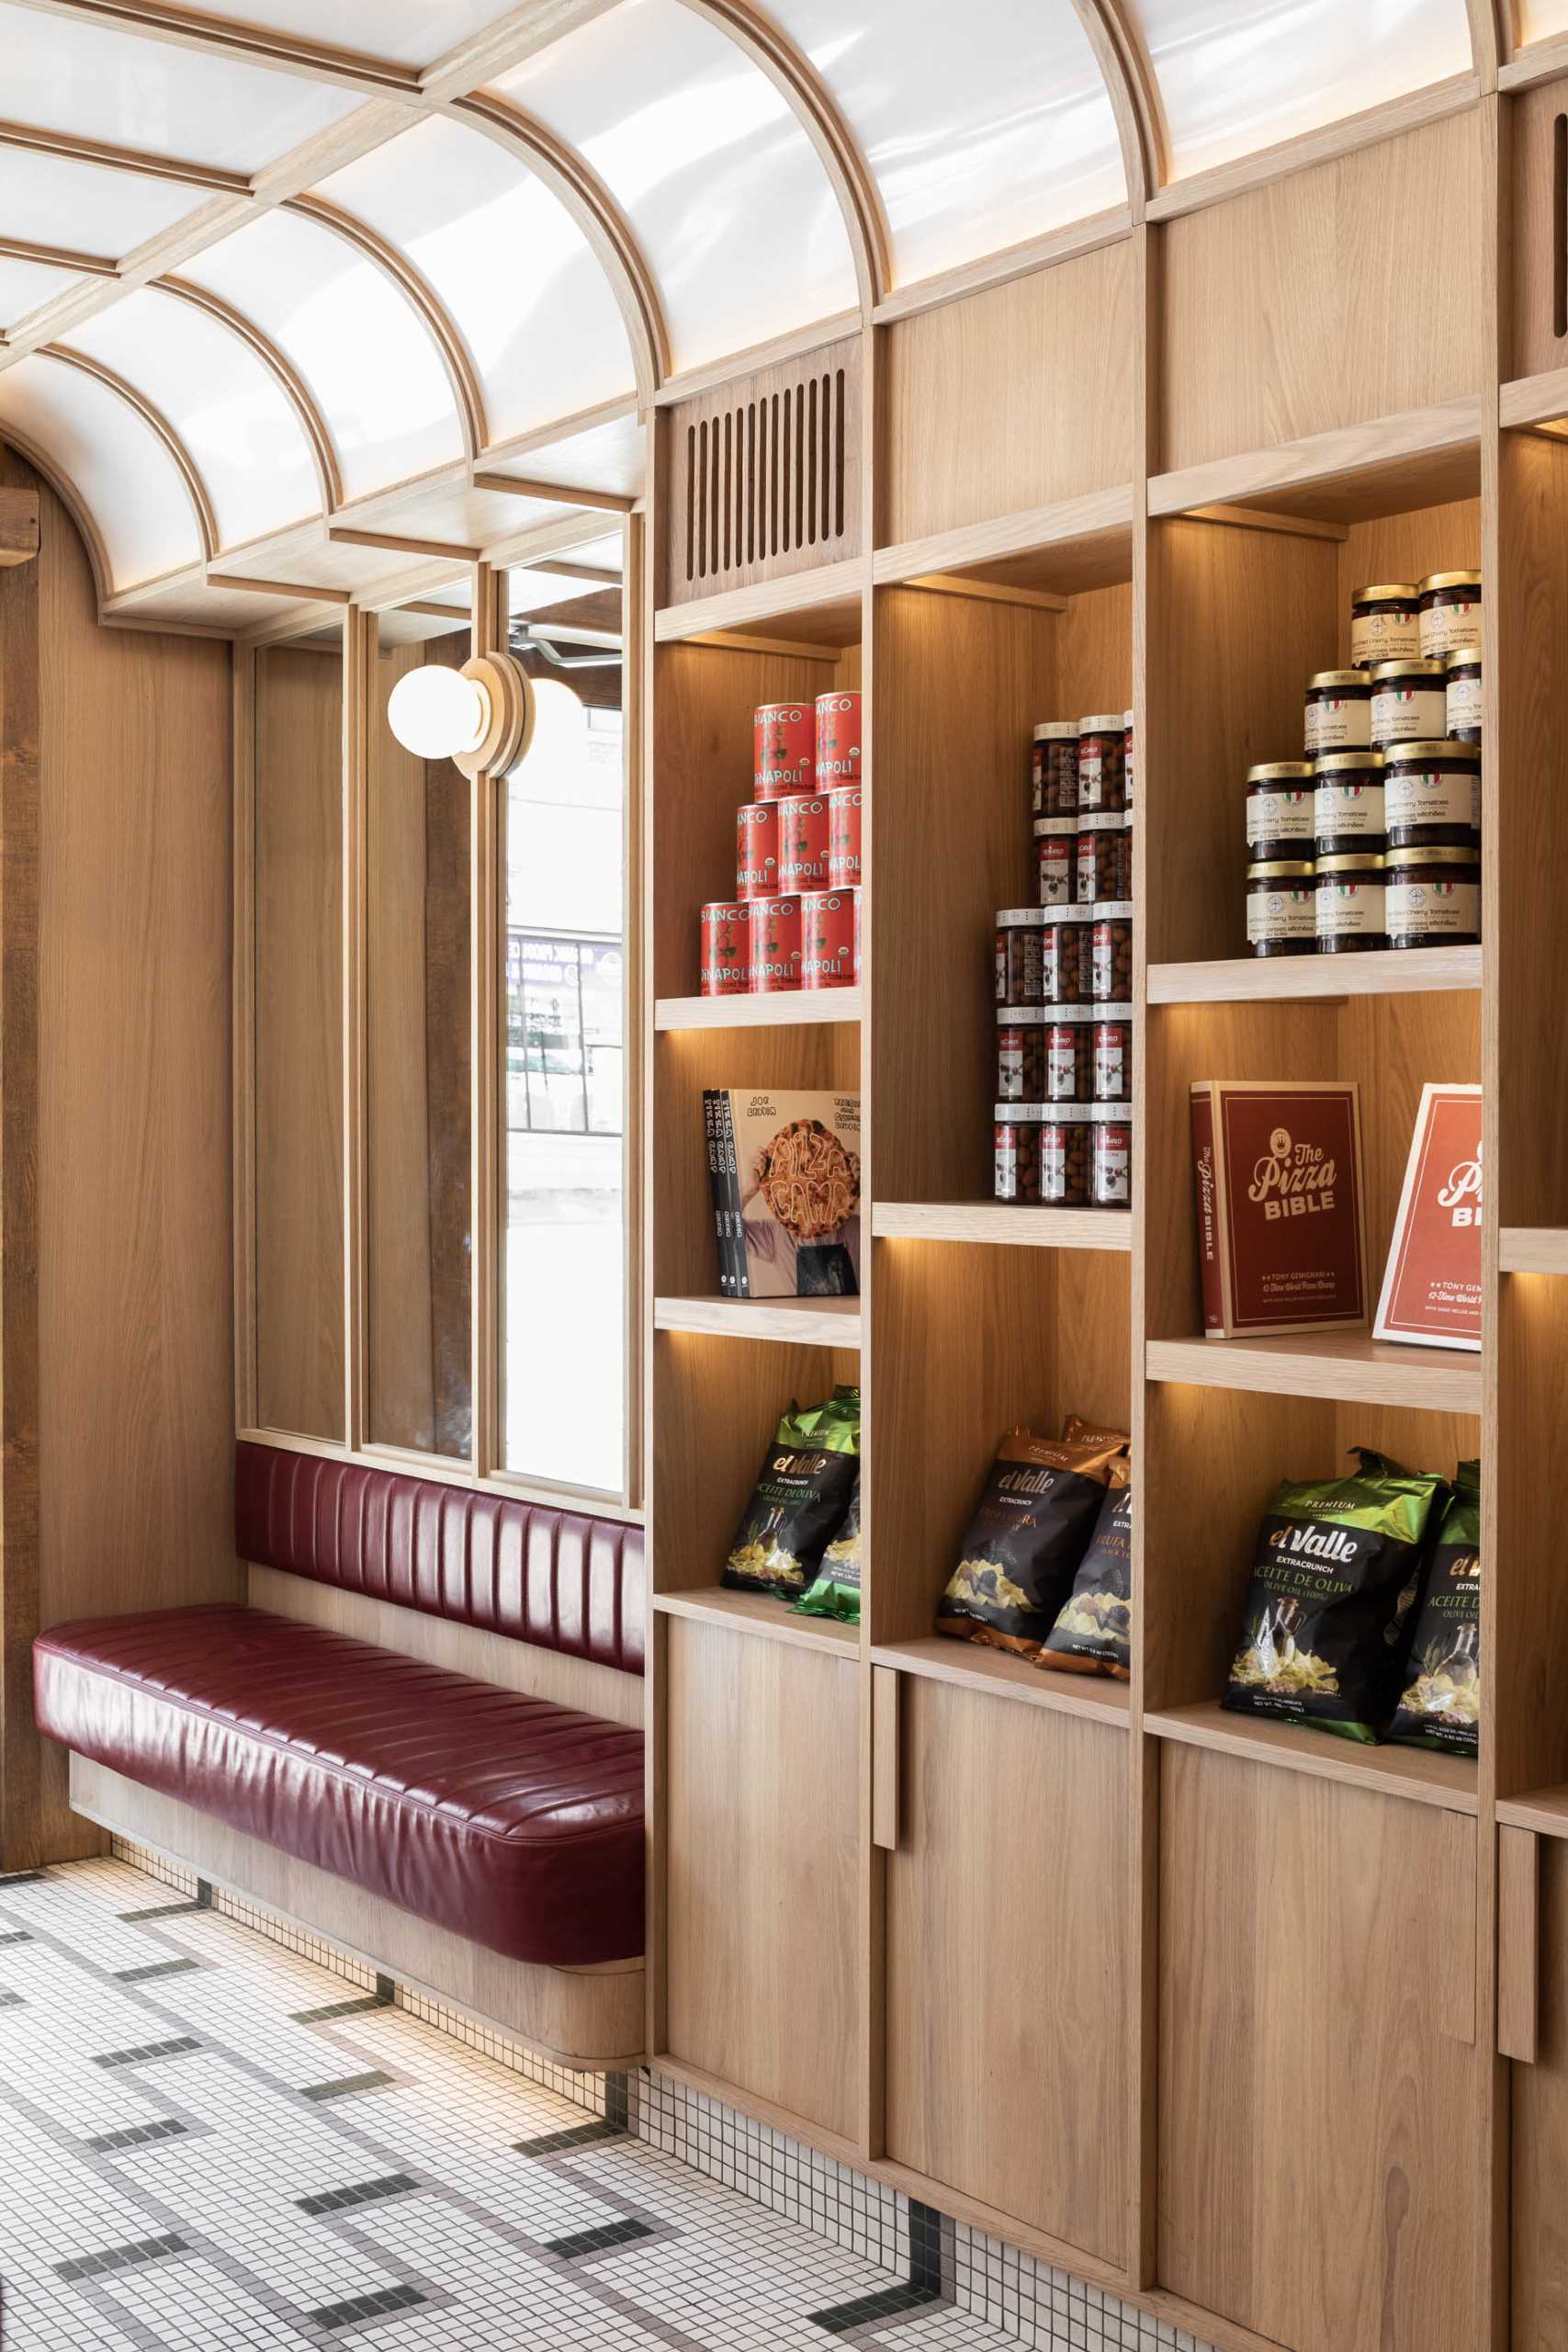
[[436, 712]]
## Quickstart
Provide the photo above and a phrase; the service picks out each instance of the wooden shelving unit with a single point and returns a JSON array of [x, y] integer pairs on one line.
[[788, 1009], [1010, 1223], [1350, 1367], [970, 1665], [1533, 1250], [755, 1612], [797, 1322], [1308, 979], [1448, 1782]]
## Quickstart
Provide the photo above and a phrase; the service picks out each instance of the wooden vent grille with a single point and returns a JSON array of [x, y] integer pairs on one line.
[[764, 477]]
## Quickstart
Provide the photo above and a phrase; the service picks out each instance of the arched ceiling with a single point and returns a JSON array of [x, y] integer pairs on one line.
[[258, 278]]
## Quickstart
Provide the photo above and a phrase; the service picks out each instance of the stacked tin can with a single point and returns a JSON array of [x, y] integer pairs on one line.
[[1373, 839], [793, 921], [1064, 978]]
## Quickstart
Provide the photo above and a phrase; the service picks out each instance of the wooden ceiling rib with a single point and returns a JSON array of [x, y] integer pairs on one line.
[[1129, 85], [59, 257], [189, 471], [323, 450]]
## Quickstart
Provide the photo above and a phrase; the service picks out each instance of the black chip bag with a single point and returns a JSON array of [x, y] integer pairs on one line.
[[1335, 1578], [1093, 1634], [798, 1506], [836, 1592], [1441, 1705], [1030, 1530]]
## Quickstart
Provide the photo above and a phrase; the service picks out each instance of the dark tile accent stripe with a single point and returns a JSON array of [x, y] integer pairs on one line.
[[556, 2144], [391, 2299], [598, 2241], [136, 2135], [362, 2192], [386, 1992], [163, 1910], [16, 1936], [12, 2001], [23, 1878], [170, 2049], [346, 2086], [355, 2008], [204, 1895], [925, 2246], [119, 2258], [888, 2302], [618, 2102], [144, 1976]]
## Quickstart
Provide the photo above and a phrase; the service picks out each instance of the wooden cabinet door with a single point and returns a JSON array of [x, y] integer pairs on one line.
[[762, 1797], [1007, 2002], [1532, 2000], [1322, 2170]]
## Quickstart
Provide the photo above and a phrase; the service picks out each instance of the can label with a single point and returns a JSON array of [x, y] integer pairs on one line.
[[1432, 796], [1275, 915], [1112, 1062], [757, 849], [1054, 863], [1385, 637], [1102, 771], [1062, 1047], [1349, 910], [1338, 723], [776, 944], [1112, 1154], [726, 948], [830, 928], [837, 740], [783, 745], [843, 837], [1010, 1065], [1407, 714], [1018, 1162], [1444, 626], [1464, 704], [1279, 816], [1349, 811], [1433, 909], [803, 842]]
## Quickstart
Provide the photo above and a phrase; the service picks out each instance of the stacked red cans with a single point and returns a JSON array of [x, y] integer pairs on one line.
[[794, 920]]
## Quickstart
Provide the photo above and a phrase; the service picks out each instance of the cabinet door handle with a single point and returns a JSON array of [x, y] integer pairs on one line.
[[1518, 1943], [885, 1757]]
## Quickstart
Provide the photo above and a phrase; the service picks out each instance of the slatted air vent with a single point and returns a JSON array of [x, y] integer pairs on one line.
[[765, 475]]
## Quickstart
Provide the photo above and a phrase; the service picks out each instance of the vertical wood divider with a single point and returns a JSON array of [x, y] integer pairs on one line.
[[487, 932], [1518, 1944], [637, 787], [243, 1047], [360, 637], [644, 545], [874, 1861]]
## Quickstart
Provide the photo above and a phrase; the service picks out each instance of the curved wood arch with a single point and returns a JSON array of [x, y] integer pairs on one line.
[[596, 213], [1134, 101], [416, 289], [71, 498], [154, 418], [312, 423], [815, 109], [1493, 32]]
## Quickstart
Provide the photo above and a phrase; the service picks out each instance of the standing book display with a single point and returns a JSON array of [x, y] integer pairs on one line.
[[1281, 1236], [1432, 1287], [784, 1175]]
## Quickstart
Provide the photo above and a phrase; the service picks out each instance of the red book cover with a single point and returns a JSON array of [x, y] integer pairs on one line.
[[1432, 1287], [1282, 1216]]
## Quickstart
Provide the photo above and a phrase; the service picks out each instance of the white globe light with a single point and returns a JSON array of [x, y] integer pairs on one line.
[[436, 712], [560, 730]]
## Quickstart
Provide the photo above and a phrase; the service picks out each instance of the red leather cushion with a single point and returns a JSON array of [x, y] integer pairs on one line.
[[510, 1821], [552, 1577]]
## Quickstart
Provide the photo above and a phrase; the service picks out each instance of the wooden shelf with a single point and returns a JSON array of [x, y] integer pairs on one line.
[[1001, 1221], [973, 1666], [1535, 400], [1533, 1248], [787, 1009], [1351, 1366], [1448, 1782], [800, 1322], [816, 611], [1246, 979], [1423, 457], [1543, 1810], [1045, 552], [755, 1612]]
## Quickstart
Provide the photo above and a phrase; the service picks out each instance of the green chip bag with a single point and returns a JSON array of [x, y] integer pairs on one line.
[[836, 1592], [798, 1503], [1334, 1577], [1441, 1705]]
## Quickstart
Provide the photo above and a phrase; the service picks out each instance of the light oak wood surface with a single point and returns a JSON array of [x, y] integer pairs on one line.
[[1010, 1222], [788, 1009]]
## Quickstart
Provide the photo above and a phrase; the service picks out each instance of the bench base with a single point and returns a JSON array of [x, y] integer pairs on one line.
[[586, 2018]]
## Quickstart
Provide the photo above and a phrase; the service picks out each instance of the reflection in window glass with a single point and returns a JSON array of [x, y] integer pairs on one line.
[[565, 1242]]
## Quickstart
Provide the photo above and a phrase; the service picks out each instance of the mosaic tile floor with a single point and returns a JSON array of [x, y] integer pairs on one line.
[[209, 2143]]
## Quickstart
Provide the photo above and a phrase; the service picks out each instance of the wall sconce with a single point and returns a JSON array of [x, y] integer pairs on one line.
[[481, 716]]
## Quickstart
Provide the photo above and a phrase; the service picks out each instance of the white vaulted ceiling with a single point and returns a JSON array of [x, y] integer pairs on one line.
[[262, 261]]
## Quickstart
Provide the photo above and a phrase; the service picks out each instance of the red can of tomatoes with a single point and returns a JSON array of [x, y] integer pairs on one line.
[[784, 738], [843, 837], [727, 947], [757, 849], [803, 841], [837, 740], [776, 944], [829, 929]]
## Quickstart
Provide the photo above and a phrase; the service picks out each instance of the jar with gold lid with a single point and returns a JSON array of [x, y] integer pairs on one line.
[[1450, 613], [1385, 622]]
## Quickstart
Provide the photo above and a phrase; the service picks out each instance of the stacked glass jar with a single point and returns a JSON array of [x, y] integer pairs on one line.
[[1373, 840], [1063, 1115]]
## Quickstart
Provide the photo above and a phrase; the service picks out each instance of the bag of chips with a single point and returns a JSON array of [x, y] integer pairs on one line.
[[1093, 1634], [1335, 1578], [798, 1503], [836, 1592], [1077, 1431], [1030, 1530], [1441, 1705]]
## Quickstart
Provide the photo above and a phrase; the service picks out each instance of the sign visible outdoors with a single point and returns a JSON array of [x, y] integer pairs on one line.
[[1431, 1287]]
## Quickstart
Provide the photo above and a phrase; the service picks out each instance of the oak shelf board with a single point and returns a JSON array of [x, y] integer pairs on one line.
[[1533, 1248], [1416, 1773], [755, 1613], [1543, 1810], [971, 1665], [1010, 1223], [799, 1322], [783, 1008], [1281, 979], [1061, 550], [1350, 1367], [1389, 465], [1535, 400], [820, 608]]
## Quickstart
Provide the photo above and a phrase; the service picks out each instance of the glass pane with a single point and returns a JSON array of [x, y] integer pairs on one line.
[[1539, 19], [121, 472], [87, 207], [563, 1145], [298, 1038], [27, 286], [415, 32], [1236, 75], [418, 1094], [976, 144]]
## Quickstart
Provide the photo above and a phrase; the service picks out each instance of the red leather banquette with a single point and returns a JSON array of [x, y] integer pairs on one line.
[[505, 1818]]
